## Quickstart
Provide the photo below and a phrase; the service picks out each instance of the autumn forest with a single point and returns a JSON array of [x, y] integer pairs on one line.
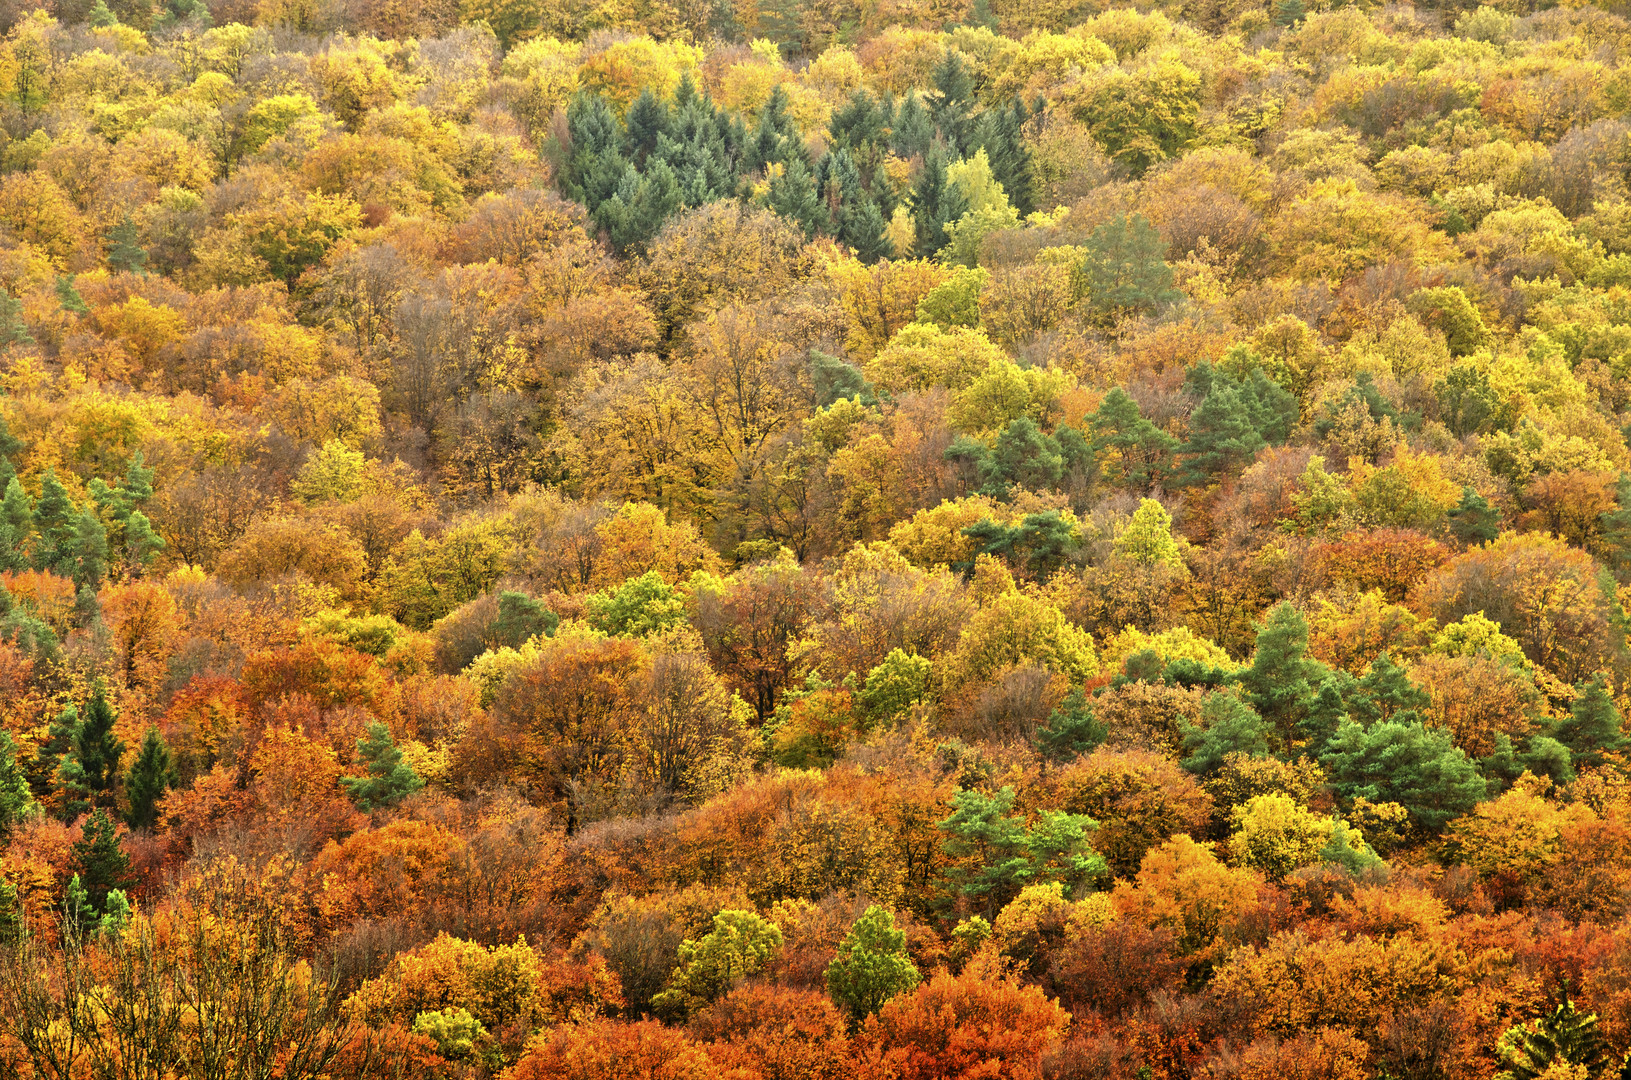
[[815, 540]]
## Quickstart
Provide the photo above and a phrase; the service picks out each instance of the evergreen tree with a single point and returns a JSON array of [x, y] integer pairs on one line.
[[1289, 12], [793, 195], [913, 133], [936, 203], [68, 297], [520, 618], [1593, 726], [1415, 766], [16, 799], [1228, 726], [90, 772], [59, 739], [1326, 712], [1124, 267], [1474, 521], [389, 779], [1282, 682], [125, 254], [995, 854], [142, 543], [1222, 438], [11, 914], [89, 564], [1386, 693], [16, 527], [54, 520], [951, 102], [1071, 730], [1139, 452], [835, 379], [151, 775], [871, 965], [643, 128], [1564, 1036], [102, 16], [13, 330], [100, 863]]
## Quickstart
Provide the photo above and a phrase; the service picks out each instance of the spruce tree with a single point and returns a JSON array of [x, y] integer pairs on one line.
[[68, 297], [89, 563], [100, 863], [1415, 766], [91, 771], [1282, 682], [16, 527], [951, 102], [913, 132], [1593, 726], [54, 520], [936, 203], [389, 779], [793, 196], [151, 775]]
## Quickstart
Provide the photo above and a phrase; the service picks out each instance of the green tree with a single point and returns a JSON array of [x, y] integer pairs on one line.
[[100, 864], [895, 685], [16, 526], [521, 618], [151, 775], [90, 771], [1147, 540], [1282, 681], [1137, 453], [935, 202], [871, 965], [54, 521], [1222, 437], [1071, 730], [1474, 521], [793, 195], [1386, 693], [737, 946], [995, 853], [640, 606], [389, 779], [125, 254], [1125, 270], [13, 330], [1563, 1036], [1142, 118], [1228, 726], [1593, 726], [11, 914], [16, 798], [89, 562], [835, 380], [1406, 763]]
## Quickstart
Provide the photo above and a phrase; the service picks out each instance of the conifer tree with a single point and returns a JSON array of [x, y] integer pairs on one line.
[[1565, 1036], [16, 798], [13, 330], [1071, 730], [68, 297], [1474, 521], [1282, 682], [1406, 763], [54, 520], [125, 254], [142, 543], [1139, 451], [1386, 693], [1593, 726], [913, 133], [1222, 437], [16, 527], [389, 779], [151, 775], [89, 563], [1228, 726], [90, 772], [1125, 268], [936, 203], [101, 865], [793, 195], [951, 102]]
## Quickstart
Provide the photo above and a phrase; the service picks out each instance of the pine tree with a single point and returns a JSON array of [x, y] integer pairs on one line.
[[16, 798], [151, 775], [389, 779], [835, 379], [1125, 268], [68, 297], [54, 520], [1071, 730], [520, 618], [1474, 521], [1386, 693], [1139, 451], [16, 527], [1281, 682], [89, 563], [871, 965], [1593, 726], [125, 254], [1222, 437], [91, 771], [100, 863], [1228, 726], [142, 543], [1415, 766]]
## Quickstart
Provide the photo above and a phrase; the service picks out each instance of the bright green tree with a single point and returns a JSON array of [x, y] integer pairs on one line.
[[1406, 763], [1282, 681], [1386, 693], [871, 965], [1147, 540], [1564, 1036], [996, 853], [16, 798], [900, 681], [737, 946], [643, 605]]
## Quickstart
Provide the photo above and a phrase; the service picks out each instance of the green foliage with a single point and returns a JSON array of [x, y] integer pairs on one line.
[[1282, 681], [1137, 454], [836, 380], [151, 775], [638, 607], [521, 618], [90, 771], [895, 685], [1039, 543], [1125, 270], [1386, 693], [1147, 540], [956, 301], [1072, 729], [995, 853], [738, 946], [13, 330], [1415, 766], [16, 798], [389, 779], [1228, 726], [101, 868], [454, 1030], [1593, 726], [123, 249], [871, 965], [1145, 117], [1474, 521], [1564, 1036], [935, 203]]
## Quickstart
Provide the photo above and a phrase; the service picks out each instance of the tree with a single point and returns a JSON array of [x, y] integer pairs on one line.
[[966, 1027], [151, 775], [1125, 270], [389, 779], [737, 946], [1386, 693], [871, 966], [90, 772], [100, 864], [1229, 726], [1593, 725], [1222, 437], [1137, 452], [936, 203], [1405, 763], [1282, 682], [1564, 1036], [125, 254], [997, 854], [1071, 729], [16, 798], [13, 330], [1148, 536]]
